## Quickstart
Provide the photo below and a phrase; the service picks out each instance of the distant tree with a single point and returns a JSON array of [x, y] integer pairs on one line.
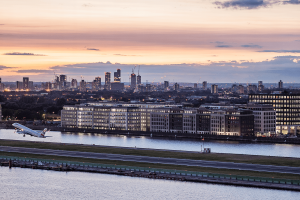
[[2, 98], [61, 102]]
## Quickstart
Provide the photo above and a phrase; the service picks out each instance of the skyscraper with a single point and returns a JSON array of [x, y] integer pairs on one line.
[[25, 83], [195, 85], [96, 85], [133, 81], [260, 86], [204, 85], [117, 76], [62, 81], [166, 85], [280, 84], [19, 85], [74, 83], [139, 80], [176, 86], [82, 86], [214, 89], [107, 80]]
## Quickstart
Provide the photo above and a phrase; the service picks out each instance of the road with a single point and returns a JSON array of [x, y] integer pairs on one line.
[[159, 160]]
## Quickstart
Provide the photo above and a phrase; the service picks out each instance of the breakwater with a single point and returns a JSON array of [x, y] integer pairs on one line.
[[152, 173]]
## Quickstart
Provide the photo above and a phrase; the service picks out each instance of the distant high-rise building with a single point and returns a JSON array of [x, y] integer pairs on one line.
[[74, 83], [241, 89], [19, 85], [133, 81], [96, 85], [214, 89], [195, 85], [25, 83], [1, 87], [107, 80], [82, 86], [260, 86], [62, 81], [30, 85], [280, 84], [166, 85], [47, 86], [204, 85], [117, 76], [251, 88], [176, 86], [139, 80]]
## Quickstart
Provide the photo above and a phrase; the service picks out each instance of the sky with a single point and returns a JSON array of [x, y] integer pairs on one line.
[[173, 40]]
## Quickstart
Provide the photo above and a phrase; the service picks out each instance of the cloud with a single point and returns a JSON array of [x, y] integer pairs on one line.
[[92, 49], [22, 54], [2, 24], [280, 67], [217, 42], [297, 40], [224, 46], [243, 4], [124, 55], [291, 2], [281, 51], [251, 46], [33, 71], [2, 67]]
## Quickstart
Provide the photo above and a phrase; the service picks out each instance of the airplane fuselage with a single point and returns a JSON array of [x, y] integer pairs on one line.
[[27, 131]]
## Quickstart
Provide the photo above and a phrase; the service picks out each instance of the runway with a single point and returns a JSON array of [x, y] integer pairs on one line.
[[158, 160]]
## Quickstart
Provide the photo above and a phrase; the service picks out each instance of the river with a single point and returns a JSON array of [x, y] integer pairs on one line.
[[284, 150], [18, 183]]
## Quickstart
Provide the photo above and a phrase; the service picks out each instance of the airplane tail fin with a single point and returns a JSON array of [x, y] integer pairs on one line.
[[44, 132]]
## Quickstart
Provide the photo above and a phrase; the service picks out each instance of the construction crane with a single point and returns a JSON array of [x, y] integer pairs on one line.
[[133, 69]]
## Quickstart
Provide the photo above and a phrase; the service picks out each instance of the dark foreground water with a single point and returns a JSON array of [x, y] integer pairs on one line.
[[285, 150], [18, 183]]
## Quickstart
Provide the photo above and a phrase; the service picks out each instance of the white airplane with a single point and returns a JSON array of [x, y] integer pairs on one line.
[[27, 131]]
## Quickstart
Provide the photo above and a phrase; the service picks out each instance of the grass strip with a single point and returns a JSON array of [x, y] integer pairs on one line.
[[162, 166]]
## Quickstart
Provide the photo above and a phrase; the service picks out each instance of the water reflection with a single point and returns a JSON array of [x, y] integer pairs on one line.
[[285, 150]]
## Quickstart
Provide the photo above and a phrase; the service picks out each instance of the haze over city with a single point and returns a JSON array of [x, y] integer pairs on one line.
[[215, 41]]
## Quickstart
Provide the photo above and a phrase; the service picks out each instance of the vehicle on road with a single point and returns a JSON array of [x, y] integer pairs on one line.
[[21, 129]]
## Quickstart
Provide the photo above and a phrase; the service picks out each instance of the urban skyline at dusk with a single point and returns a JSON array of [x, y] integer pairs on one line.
[[232, 41]]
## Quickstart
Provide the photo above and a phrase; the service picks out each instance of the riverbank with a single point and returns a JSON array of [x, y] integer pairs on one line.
[[283, 140], [188, 176]]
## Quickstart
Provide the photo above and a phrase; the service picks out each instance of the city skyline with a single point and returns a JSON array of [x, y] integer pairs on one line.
[[231, 41]]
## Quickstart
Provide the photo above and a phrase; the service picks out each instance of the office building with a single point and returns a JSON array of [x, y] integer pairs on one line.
[[287, 107], [107, 81], [74, 83], [195, 85], [96, 84], [204, 85], [138, 80], [280, 84], [1, 85], [62, 81], [133, 81], [117, 76], [176, 87], [19, 85], [251, 88], [241, 89], [214, 89], [82, 86], [30, 85], [25, 83], [116, 86], [260, 86], [166, 86], [159, 118]]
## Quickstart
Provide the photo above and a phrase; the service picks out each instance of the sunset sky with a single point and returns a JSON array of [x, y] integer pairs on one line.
[[180, 40]]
